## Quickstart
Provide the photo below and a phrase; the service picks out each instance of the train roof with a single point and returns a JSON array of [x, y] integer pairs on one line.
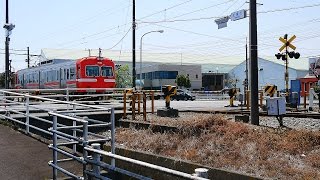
[[56, 62], [47, 66]]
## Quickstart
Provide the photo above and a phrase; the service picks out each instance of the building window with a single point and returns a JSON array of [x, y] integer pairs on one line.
[[196, 76]]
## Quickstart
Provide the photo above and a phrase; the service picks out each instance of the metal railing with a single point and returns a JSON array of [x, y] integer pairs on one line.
[[69, 139], [84, 141]]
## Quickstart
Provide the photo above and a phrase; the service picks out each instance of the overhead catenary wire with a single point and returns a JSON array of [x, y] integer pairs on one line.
[[120, 40], [289, 9], [166, 9]]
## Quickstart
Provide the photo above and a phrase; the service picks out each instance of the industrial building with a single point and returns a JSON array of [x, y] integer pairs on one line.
[[269, 72]]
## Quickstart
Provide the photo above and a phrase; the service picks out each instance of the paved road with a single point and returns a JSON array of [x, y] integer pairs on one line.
[[22, 157]]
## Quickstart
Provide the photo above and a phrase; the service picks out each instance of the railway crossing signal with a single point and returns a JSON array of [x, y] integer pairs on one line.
[[232, 93], [287, 44], [168, 91]]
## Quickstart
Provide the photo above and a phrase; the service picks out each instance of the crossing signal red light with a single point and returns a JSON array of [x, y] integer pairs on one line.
[[296, 55], [293, 54], [278, 55]]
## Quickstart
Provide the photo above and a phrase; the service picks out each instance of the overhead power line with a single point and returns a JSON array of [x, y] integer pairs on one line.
[[166, 9], [216, 17], [289, 9], [120, 39], [181, 20]]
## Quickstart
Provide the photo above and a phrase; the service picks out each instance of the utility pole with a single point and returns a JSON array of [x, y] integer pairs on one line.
[[7, 49], [28, 58], [9, 28], [254, 111], [134, 44], [246, 80]]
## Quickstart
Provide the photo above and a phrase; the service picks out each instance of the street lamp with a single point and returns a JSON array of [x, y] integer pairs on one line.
[[140, 77]]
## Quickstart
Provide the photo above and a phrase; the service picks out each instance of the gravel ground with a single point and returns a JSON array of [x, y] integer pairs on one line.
[[290, 122]]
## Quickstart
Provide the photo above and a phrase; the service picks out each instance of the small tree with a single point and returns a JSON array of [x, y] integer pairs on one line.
[[123, 77], [183, 81]]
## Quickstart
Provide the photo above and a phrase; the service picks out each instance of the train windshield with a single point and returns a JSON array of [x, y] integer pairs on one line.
[[92, 71], [106, 71]]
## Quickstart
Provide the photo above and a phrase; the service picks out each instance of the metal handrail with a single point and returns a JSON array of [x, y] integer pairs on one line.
[[54, 100]]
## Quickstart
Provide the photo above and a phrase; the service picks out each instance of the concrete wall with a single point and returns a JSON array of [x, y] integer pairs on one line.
[[170, 163]]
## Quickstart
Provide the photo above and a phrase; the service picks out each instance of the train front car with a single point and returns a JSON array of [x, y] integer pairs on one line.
[[95, 72]]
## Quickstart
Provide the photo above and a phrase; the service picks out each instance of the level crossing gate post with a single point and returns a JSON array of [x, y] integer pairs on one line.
[[54, 144], [84, 144], [96, 159], [133, 106], [113, 146], [152, 102], [27, 113], [74, 132], [144, 106], [138, 96]]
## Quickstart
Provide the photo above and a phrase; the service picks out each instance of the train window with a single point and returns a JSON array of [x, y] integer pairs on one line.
[[72, 73], [106, 71], [92, 71]]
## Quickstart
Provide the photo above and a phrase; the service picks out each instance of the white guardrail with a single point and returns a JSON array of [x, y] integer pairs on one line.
[[77, 134]]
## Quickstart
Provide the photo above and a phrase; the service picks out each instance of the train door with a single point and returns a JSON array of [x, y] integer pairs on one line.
[[22, 82]]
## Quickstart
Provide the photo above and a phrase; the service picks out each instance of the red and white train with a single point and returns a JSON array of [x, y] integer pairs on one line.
[[88, 72]]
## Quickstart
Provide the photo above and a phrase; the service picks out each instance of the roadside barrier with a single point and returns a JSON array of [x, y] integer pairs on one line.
[[135, 97]]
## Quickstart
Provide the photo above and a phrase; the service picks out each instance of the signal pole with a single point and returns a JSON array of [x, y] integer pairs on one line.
[[254, 111], [246, 80], [286, 75], [285, 56], [134, 44]]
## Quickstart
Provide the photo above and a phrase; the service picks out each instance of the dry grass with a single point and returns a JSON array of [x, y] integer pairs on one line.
[[214, 141]]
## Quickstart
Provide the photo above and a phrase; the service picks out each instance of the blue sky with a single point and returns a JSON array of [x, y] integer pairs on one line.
[[80, 24]]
